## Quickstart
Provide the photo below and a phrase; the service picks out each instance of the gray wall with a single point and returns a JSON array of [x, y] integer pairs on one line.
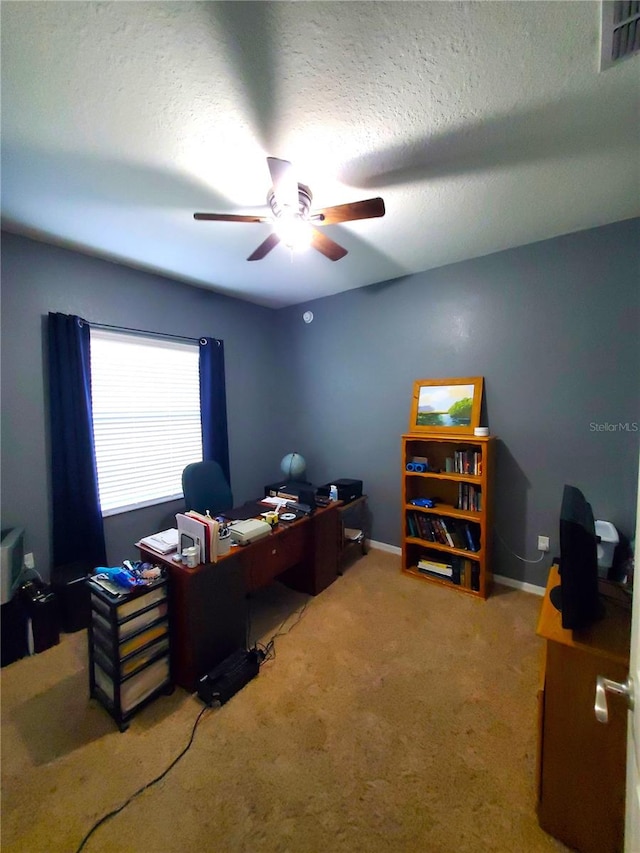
[[552, 327], [36, 279]]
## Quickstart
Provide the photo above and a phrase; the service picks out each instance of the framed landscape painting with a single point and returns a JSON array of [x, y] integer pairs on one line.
[[446, 405]]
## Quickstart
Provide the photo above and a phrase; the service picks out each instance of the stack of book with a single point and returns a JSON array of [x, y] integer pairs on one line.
[[468, 462], [201, 531], [432, 567], [454, 533], [458, 570], [469, 497]]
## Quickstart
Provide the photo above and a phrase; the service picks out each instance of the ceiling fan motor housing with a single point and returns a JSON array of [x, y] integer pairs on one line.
[[304, 203]]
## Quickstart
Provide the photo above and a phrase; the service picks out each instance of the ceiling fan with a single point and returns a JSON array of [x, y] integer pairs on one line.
[[293, 219]]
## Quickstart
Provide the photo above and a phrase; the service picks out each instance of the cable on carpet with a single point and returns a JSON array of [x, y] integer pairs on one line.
[[248, 623], [268, 651], [111, 814]]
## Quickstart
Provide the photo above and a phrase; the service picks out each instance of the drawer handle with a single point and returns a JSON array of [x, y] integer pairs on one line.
[[622, 689]]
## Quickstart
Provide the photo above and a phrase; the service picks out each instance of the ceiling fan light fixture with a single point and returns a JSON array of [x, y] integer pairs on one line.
[[294, 221], [294, 232], [283, 208]]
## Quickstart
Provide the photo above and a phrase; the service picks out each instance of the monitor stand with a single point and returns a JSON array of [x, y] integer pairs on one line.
[[555, 597]]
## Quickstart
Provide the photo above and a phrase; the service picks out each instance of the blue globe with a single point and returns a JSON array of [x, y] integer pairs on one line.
[[293, 466]]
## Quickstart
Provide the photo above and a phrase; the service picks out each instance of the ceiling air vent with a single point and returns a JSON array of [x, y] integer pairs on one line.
[[620, 35]]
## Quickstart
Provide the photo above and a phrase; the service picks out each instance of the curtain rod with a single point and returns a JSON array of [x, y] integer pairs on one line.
[[147, 332]]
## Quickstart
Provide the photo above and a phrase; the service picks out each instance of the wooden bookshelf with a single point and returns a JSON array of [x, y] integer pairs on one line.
[[456, 533]]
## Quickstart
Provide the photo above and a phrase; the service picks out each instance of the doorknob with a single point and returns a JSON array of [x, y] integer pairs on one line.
[[605, 684]]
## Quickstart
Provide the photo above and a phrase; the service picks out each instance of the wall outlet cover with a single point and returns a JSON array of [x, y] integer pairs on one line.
[[543, 543]]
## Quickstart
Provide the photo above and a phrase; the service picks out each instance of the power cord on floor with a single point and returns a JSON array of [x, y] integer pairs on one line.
[[144, 787], [511, 551], [268, 651]]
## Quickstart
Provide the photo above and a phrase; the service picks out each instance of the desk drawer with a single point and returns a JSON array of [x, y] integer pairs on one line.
[[270, 557]]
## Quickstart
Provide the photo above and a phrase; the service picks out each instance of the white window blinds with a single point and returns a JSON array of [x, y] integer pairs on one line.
[[146, 417]]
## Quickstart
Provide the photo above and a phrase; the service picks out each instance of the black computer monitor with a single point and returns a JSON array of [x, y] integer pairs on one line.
[[577, 596]]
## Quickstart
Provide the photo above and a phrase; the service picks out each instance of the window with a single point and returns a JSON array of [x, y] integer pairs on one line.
[[146, 417]]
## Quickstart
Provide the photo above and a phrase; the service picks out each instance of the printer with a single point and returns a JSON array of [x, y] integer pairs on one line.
[[248, 531], [348, 490], [288, 489]]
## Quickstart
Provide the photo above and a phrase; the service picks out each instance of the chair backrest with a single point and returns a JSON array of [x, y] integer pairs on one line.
[[205, 488]]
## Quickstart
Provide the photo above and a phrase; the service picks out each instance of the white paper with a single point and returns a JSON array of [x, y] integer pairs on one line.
[[163, 542]]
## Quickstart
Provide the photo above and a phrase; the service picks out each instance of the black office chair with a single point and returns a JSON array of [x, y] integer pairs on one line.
[[205, 488]]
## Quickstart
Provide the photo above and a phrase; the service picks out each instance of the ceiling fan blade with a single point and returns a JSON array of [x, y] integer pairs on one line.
[[229, 217], [265, 247], [328, 247], [367, 209], [285, 185]]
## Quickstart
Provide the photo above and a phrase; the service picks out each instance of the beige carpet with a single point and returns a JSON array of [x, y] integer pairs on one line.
[[397, 716]]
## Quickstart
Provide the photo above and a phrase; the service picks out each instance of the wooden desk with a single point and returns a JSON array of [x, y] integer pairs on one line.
[[208, 606], [581, 762], [354, 515]]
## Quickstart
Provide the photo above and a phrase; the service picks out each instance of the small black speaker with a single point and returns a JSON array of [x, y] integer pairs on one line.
[[307, 497]]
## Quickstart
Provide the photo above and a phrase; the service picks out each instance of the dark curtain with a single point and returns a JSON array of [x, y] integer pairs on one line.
[[78, 532], [213, 404]]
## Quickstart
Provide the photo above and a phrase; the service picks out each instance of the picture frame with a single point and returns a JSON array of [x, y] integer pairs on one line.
[[446, 405]]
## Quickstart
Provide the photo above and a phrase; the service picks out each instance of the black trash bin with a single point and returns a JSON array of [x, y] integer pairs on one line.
[[13, 625], [69, 584], [42, 611]]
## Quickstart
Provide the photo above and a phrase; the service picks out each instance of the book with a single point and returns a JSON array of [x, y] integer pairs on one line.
[[435, 568], [193, 531], [445, 530], [163, 542], [472, 537], [434, 574], [212, 528], [433, 562]]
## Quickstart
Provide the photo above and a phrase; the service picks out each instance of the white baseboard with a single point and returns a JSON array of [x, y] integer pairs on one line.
[[502, 579], [522, 585], [382, 546]]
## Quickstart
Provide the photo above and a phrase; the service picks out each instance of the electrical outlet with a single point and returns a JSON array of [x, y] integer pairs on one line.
[[543, 543], [29, 562]]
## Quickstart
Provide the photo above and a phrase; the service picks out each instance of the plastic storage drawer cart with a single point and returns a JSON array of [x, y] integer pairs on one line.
[[129, 662]]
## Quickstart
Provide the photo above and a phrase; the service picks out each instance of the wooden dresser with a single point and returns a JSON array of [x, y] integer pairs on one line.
[[581, 762]]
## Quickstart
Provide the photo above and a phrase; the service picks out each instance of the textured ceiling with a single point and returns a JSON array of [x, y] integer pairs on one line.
[[482, 125]]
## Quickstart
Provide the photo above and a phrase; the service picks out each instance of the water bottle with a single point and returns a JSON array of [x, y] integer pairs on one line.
[[333, 493]]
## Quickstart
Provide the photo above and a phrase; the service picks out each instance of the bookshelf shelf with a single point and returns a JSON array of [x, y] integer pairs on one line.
[[436, 546], [447, 509], [448, 544], [429, 475]]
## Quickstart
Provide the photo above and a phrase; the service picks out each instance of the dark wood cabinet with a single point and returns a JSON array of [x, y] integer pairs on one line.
[[270, 557], [208, 616]]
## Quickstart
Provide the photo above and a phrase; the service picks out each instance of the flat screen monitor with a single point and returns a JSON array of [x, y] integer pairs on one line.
[[577, 596]]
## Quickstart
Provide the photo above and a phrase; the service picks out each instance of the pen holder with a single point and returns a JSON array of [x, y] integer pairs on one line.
[[224, 542]]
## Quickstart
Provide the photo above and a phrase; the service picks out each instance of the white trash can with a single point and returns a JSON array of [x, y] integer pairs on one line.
[[606, 546]]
